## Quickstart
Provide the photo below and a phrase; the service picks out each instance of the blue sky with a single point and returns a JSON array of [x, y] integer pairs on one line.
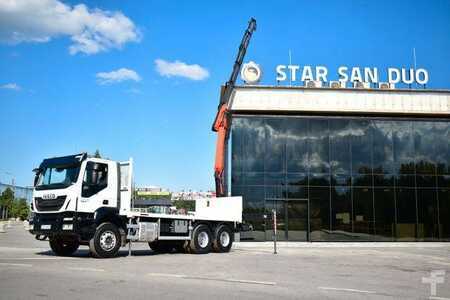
[[52, 102]]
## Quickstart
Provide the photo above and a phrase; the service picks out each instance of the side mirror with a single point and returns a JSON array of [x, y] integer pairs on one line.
[[37, 172]]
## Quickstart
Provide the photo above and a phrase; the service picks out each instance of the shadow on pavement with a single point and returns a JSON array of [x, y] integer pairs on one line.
[[122, 253]]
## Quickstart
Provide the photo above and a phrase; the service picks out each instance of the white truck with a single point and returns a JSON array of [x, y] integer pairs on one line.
[[83, 200]]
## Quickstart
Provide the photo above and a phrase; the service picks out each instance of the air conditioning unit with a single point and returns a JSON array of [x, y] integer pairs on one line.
[[313, 84], [337, 84], [386, 86], [361, 85]]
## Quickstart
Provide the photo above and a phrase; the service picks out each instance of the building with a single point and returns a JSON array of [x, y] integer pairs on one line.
[[152, 191], [152, 198], [341, 164], [192, 195], [19, 191]]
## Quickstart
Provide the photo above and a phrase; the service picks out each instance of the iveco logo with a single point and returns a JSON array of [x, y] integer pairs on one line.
[[48, 196]]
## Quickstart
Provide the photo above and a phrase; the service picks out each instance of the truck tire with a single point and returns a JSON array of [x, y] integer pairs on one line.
[[223, 239], [106, 241], [161, 246], [63, 247], [201, 240]]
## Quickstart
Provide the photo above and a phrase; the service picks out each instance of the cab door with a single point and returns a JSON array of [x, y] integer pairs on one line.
[[126, 185], [99, 186]]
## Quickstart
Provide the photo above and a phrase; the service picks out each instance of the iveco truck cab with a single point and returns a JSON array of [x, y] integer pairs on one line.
[[83, 200]]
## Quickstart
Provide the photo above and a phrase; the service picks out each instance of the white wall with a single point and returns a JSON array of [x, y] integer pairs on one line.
[[340, 100]]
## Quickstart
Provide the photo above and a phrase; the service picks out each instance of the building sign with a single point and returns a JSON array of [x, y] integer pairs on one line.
[[295, 73], [251, 73]]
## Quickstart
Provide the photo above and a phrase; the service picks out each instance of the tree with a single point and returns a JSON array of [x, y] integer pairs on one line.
[[97, 154], [6, 201], [20, 209], [189, 205]]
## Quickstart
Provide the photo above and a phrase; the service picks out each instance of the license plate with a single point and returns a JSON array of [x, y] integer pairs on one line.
[[46, 227]]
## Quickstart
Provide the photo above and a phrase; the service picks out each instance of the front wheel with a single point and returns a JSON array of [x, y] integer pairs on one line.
[[106, 241], [62, 246]]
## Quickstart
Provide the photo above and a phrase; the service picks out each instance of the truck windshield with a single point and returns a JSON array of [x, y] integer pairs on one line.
[[57, 177]]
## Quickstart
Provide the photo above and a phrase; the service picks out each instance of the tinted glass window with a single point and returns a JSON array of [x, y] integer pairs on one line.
[[441, 147], [253, 212], [427, 209], [275, 143], [318, 146], [341, 213], [363, 211], [384, 203], [444, 213], [252, 141], [297, 192], [425, 142], [95, 179], [361, 147], [340, 138], [319, 199], [297, 145], [383, 152], [297, 178], [376, 170], [406, 214], [403, 147]]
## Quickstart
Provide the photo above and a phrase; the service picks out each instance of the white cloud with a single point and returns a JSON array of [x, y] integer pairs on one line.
[[181, 69], [91, 30], [119, 75], [11, 86]]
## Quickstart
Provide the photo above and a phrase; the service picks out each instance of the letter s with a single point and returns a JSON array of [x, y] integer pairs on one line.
[[281, 74]]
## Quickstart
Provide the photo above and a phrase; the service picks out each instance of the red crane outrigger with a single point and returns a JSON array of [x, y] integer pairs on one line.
[[222, 121]]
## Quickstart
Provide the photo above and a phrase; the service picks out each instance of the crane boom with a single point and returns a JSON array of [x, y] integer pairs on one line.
[[222, 121]]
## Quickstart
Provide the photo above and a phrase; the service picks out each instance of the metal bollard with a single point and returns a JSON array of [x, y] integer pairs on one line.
[[2, 227], [274, 212]]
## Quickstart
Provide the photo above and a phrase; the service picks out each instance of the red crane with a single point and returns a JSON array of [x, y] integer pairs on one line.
[[222, 121]]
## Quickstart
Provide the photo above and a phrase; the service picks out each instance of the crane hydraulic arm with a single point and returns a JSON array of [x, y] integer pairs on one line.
[[222, 121]]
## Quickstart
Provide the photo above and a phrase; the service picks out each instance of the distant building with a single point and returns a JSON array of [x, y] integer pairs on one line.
[[192, 195], [152, 199], [152, 192], [19, 191]]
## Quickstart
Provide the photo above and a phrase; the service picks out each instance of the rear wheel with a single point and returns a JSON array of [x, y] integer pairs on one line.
[[223, 238], [63, 246], [106, 241], [201, 240]]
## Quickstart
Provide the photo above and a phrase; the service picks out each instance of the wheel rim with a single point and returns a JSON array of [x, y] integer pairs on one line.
[[224, 239], [108, 240], [203, 239]]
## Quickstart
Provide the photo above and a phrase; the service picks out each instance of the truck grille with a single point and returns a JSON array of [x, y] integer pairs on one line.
[[49, 204]]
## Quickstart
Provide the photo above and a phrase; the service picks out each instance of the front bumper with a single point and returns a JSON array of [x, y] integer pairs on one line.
[[65, 223]]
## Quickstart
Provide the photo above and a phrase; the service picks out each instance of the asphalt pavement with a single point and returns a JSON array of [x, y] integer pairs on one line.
[[29, 270]]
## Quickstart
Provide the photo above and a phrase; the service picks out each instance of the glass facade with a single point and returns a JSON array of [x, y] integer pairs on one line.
[[342, 178]]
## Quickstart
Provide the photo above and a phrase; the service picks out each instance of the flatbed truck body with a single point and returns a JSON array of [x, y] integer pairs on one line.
[[82, 200]]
